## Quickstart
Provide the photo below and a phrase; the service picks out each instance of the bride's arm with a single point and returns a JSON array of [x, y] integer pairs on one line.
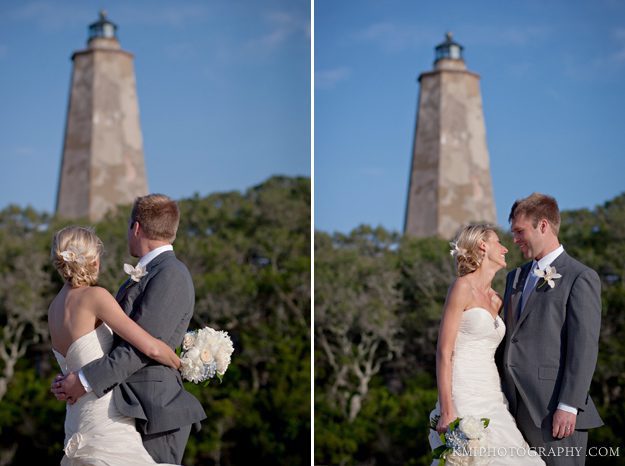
[[108, 310], [452, 312]]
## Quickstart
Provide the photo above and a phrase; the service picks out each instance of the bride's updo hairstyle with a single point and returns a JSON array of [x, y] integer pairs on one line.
[[465, 249], [75, 253]]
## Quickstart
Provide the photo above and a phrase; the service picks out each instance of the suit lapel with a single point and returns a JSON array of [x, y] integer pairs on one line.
[[535, 298], [123, 289], [528, 307], [123, 297], [516, 293]]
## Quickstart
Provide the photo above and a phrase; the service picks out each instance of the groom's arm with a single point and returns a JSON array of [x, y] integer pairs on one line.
[[583, 323], [165, 311]]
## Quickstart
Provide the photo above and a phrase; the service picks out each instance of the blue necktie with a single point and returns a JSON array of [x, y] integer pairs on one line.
[[530, 283]]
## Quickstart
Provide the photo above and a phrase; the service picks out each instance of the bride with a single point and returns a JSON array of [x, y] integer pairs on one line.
[[470, 332], [81, 319]]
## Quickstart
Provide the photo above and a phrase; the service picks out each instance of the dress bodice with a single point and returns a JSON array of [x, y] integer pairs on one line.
[[87, 348], [479, 333], [473, 365]]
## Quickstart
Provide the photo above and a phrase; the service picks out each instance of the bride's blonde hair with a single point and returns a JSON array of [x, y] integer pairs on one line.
[[465, 248], [75, 253]]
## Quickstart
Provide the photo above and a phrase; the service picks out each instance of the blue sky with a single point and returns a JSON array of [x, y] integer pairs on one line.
[[223, 86], [553, 89]]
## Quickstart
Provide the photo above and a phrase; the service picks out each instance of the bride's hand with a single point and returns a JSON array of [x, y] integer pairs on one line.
[[444, 421], [165, 355]]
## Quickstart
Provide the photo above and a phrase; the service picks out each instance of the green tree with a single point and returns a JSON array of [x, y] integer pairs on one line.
[[249, 255]]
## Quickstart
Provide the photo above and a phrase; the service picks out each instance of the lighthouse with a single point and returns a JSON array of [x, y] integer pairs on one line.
[[102, 164], [450, 183]]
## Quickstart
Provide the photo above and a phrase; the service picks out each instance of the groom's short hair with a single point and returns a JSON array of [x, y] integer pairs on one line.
[[535, 207], [158, 216]]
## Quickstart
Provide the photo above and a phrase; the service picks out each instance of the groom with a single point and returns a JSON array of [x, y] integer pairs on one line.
[[160, 299], [552, 309]]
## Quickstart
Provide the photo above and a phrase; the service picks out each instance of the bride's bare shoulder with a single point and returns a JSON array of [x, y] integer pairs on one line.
[[459, 293], [98, 293], [460, 285]]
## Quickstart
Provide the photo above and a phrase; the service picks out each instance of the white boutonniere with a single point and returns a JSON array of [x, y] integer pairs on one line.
[[548, 275], [136, 273]]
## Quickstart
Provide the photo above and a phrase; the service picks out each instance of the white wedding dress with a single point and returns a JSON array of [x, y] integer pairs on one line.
[[476, 390], [96, 434]]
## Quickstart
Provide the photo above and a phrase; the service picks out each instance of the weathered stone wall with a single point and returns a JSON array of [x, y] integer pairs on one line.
[[73, 193], [103, 164], [450, 182], [421, 212]]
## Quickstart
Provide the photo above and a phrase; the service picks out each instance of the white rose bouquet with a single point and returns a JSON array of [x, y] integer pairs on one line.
[[206, 354], [463, 439]]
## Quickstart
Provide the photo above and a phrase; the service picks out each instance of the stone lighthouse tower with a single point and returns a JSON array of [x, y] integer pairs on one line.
[[450, 183], [103, 149]]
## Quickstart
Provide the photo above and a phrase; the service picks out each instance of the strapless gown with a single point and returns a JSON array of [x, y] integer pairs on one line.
[[96, 434], [476, 390]]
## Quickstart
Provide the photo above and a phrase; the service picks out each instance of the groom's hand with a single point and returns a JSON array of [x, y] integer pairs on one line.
[[67, 388], [563, 424]]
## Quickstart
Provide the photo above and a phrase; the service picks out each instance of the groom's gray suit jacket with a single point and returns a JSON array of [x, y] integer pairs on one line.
[[162, 303], [550, 353]]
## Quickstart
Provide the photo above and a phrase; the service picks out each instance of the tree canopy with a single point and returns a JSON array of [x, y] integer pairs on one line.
[[249, 255]]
